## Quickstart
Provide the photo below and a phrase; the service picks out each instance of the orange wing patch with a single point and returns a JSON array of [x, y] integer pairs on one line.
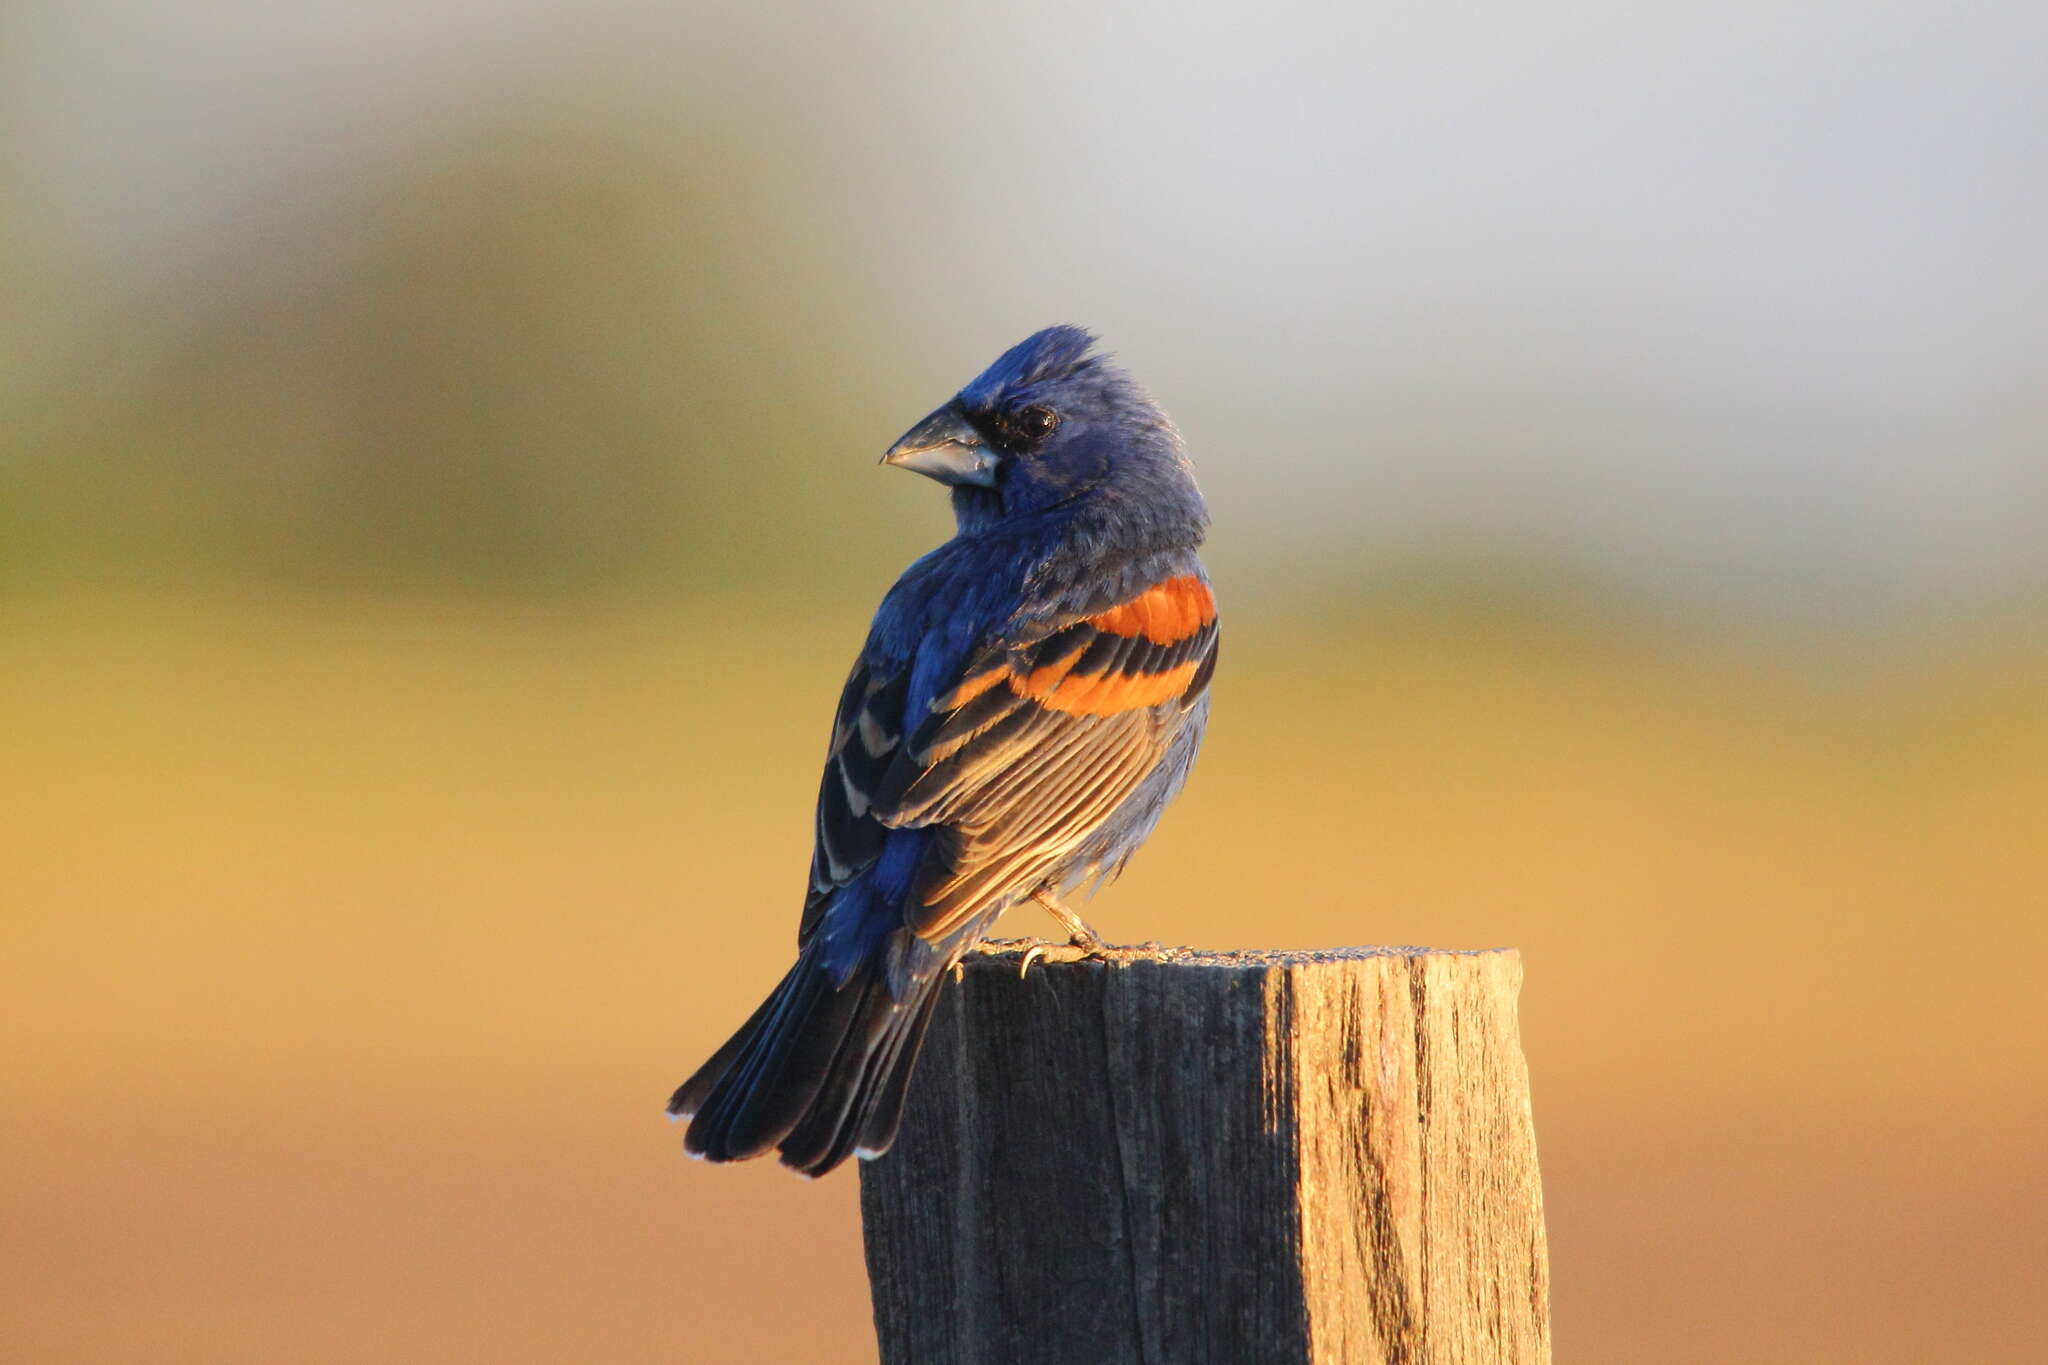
[[1106, 695], [1049, 678], [972, 688], [1164, 614], [1138, 653], [1145, 671]]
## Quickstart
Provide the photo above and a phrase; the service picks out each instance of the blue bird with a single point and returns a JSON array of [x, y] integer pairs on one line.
[[1030, 698]]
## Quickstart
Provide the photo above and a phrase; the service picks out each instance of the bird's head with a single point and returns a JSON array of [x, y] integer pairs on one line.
[[1049, 426]]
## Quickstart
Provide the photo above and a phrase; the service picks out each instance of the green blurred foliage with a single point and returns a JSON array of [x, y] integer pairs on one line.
[[533, 362]]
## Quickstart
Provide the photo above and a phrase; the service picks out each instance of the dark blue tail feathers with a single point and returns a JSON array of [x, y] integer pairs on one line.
[[817, 1073]]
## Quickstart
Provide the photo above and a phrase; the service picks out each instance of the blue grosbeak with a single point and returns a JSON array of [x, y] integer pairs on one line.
[[1030, 698]]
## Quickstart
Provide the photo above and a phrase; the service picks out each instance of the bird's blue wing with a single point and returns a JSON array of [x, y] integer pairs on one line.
[[867, 734], [1013, 767]]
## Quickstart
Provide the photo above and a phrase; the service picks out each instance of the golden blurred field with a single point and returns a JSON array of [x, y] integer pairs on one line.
[[352, 946], [437, 507]]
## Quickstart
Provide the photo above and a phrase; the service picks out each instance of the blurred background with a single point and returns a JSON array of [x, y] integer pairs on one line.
[[437, 503]]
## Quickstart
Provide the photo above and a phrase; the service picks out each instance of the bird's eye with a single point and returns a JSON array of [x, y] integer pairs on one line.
[[1034, 423]]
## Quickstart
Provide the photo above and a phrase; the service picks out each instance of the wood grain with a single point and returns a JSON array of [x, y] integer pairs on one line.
[[1173, 1157]]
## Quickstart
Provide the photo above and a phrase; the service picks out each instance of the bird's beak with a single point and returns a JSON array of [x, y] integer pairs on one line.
[[945, 446]]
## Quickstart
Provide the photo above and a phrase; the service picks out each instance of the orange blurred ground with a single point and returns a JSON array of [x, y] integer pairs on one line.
[[351, 950]]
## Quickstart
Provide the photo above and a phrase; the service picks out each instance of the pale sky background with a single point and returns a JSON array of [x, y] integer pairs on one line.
[[1736, 301]]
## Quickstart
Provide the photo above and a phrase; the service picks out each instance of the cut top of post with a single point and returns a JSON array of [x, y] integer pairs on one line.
[[1289, 1156], [1014, 949]]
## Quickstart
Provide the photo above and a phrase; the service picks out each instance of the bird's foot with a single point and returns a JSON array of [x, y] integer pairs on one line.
[[1080, 949], [1077, 949], [1079, 935]]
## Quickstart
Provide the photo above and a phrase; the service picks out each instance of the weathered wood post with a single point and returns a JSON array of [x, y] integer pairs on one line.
[[1176, 1157]]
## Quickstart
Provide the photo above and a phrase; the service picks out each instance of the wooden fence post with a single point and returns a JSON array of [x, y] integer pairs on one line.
[[1176, 1157]]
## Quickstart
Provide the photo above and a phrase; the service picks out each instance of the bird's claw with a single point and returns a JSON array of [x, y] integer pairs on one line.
[[1077, 949]]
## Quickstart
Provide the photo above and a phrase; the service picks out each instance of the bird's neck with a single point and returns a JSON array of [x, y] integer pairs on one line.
[[976, 510]]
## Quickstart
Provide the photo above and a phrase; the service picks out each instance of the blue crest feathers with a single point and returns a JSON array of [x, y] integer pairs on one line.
[[1049, 354]]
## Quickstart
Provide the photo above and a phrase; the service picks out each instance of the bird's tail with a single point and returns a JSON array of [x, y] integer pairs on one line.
[[819, 1072]]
